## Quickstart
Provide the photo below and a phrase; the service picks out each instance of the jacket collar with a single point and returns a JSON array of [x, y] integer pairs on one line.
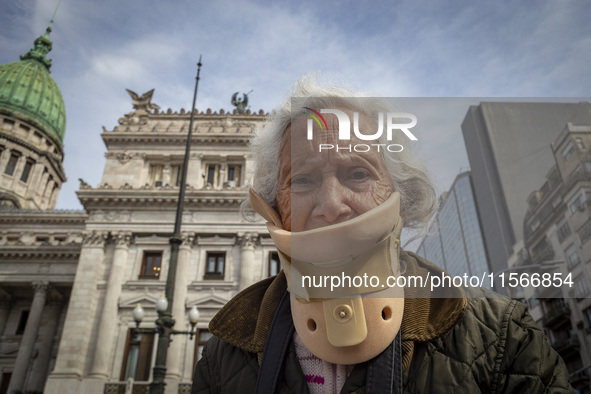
[[246, 319]]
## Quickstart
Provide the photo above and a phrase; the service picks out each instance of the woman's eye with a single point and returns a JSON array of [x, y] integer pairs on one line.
[[359, 174], [301, 180]]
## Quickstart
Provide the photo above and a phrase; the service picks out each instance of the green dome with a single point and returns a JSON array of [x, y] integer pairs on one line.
[[28, 92]]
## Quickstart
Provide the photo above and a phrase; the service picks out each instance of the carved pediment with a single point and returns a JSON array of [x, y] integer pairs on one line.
[[209, 301], [145, 300]]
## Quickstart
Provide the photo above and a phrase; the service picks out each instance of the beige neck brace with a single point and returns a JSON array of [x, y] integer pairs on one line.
[[336, 323]]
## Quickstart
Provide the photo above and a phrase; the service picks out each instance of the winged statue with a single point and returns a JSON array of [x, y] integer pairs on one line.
[[240, 103], [142, 102]]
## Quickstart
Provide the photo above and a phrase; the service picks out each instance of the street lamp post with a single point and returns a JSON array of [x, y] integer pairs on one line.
[[165, 321], [161, 305]]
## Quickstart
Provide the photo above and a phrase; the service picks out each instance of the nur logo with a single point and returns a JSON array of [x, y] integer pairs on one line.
[[392, 123], [315, 115]]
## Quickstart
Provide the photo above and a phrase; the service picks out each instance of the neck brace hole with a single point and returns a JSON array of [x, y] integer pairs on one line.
[[387, 313]]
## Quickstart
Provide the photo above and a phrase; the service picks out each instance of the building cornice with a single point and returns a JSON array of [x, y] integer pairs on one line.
[[113, 139], [66, 255], [141, 117], [42, 217], [171, 127], [158, 198]]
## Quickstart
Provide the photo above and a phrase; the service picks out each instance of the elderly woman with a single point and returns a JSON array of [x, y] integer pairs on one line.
[[337, 319]]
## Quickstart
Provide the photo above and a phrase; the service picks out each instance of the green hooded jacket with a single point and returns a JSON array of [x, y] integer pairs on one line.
[[474, 341]]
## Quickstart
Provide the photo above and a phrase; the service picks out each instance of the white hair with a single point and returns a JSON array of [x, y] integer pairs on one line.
[[409, 177]]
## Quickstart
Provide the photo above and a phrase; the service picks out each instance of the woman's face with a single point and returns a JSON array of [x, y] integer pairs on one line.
[[317, 189]]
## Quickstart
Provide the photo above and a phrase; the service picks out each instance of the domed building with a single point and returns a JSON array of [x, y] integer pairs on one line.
[[32, 127], [39, 247], [70, 280]]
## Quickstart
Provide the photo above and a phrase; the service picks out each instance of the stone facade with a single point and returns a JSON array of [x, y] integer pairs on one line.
[[31, 163], [557, 231], [39, 254], [97, 265], [32, 127]]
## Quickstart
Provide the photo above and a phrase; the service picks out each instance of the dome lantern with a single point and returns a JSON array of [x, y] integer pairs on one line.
[[28, 92]]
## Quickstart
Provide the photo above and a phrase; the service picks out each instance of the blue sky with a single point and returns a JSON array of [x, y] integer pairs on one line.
[[402, 48]]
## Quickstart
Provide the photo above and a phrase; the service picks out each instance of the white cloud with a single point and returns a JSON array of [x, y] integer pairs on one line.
[[404, 49]]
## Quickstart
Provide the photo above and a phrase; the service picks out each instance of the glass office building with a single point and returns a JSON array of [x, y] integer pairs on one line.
[[454, 241]]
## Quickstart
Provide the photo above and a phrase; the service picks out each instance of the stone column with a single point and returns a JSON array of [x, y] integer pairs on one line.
[[195, 172], [223, 176], [179, 313], [75, 338], [54, 194], [18, 169], [248, 171], [166, 175], [4, 155], [109, 316], [35, 179], [5, 305], [48, 189], [40, 188], [41, 364], [27, 344], [247, 243]]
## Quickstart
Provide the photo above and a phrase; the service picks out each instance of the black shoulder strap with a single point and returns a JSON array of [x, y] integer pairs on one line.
[[384, 373], [276, 347]]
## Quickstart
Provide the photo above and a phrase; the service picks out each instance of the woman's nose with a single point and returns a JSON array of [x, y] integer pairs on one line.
[[332, 206]]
